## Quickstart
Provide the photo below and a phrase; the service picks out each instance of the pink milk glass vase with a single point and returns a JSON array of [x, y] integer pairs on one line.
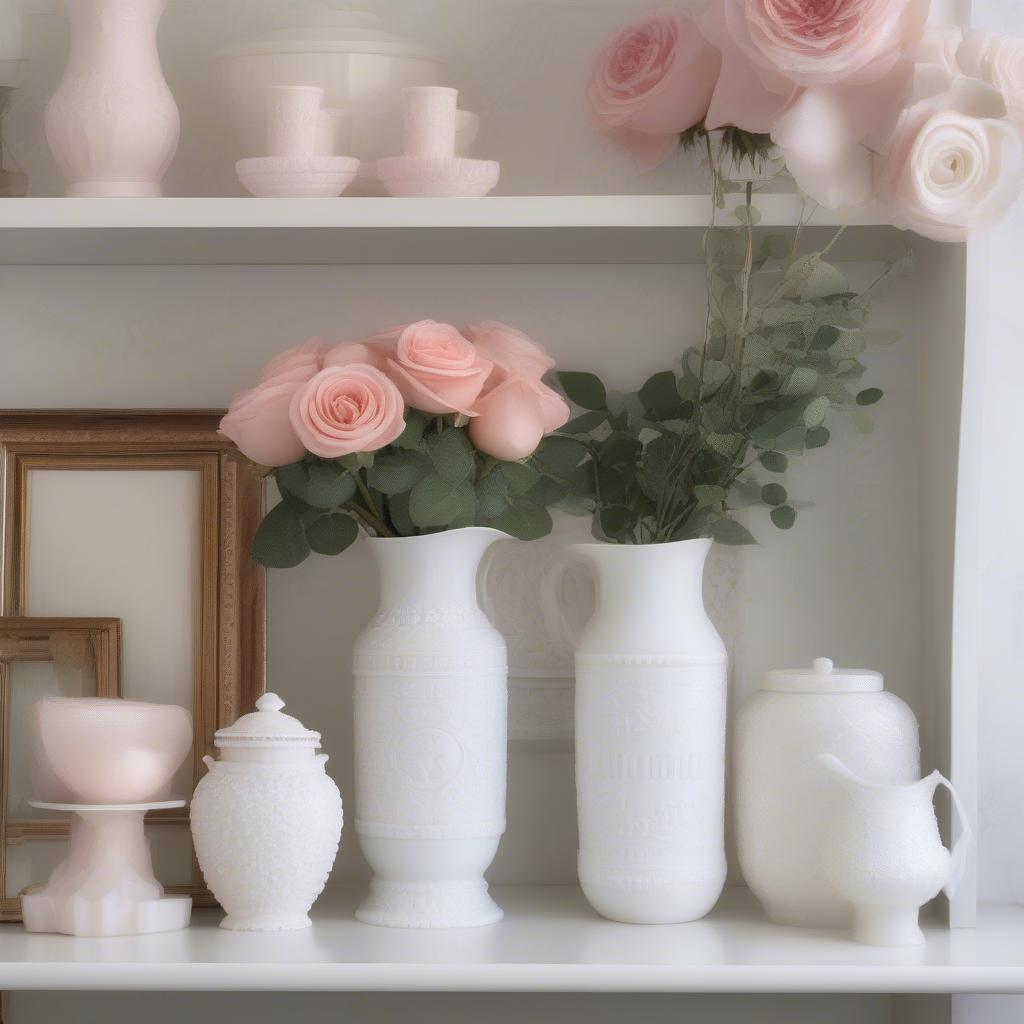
[[112, 124]]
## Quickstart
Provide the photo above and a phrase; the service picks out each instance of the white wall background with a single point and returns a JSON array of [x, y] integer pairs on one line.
[[854, 566]]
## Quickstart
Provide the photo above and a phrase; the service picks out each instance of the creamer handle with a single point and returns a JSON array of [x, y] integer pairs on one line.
[[208, 761], [958, 855]]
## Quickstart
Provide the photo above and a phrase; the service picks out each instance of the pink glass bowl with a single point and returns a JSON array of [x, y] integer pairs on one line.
[[97, 750], [312, 177], [443, 177]]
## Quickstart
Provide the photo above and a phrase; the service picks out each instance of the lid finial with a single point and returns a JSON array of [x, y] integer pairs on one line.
[[271, 702], [823, 666]]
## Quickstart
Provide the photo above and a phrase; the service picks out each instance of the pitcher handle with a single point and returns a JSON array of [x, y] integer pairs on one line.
[[958, 855], [561, 629]]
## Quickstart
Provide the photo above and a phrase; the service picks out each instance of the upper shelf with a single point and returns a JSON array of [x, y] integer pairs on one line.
[[550, 941], [498, 229]]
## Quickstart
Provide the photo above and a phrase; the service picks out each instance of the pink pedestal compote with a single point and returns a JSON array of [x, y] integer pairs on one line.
[[434, 131], [305, 142], [108, 762]]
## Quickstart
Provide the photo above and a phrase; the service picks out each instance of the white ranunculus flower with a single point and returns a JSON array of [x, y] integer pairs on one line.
[[952, 162], [999, 61]]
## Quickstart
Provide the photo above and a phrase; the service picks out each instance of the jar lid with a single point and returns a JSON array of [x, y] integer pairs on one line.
[[267, 727], [822, 677], [322, 30]]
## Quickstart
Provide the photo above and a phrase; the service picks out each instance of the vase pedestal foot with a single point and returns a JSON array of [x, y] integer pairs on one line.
[[454, 904]]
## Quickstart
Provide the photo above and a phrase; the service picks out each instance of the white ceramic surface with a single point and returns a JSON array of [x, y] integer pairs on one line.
[[882, 851], [312, 177], [112, 124], [429, 117], [650, 736], [430, 735], [438, 177], [334, 132], [266, 821], [782, 795]]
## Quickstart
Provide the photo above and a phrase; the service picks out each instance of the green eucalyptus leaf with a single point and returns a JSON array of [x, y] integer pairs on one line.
[[280, 541], [587, 423], [728, 531], [520, 476], [814, 414], [709, 494], [452, 455], [869, 396], [412, 437], [329, 485], [398, 511], [802, 381], [401, 471], [775, 247], [725, 445], [330, 535], [492, 494], [584, 389], [435, 501], [784, 516], [773, 494], [616, 520], [774, 462], [620, 449], [524, 520], [818, 438], [660, 394], [559, 456]]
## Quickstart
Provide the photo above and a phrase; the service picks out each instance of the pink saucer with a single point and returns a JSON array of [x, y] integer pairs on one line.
[[311, 177], [447, 177]]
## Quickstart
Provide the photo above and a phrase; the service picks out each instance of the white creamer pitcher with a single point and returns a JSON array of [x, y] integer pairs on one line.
[[883, 853]]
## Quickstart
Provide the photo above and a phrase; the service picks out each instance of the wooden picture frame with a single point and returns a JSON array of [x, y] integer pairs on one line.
[[33, 640], [229, 669]]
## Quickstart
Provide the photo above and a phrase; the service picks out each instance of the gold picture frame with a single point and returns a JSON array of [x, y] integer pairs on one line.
[[35, 640], [229, 670]]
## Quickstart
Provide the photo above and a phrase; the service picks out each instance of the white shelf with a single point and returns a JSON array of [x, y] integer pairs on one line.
[[550, 941], [499, 229]]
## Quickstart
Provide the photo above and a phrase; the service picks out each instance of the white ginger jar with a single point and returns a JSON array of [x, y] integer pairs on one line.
[[784, 797], [266, 820]]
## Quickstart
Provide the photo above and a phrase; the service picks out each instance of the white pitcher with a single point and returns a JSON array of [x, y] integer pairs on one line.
[[883, 853], [650, 734]]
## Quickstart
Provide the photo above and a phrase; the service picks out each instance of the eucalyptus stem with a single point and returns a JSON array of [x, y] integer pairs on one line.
[[371, 510]]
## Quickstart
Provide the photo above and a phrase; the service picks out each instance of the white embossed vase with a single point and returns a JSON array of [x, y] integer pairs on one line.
[[430, 735], [112, 124], [650, 735]]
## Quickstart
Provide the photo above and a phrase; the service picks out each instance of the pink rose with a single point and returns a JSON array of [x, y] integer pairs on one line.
[[373, 351], [998, 61], [825, 42], [952, 162], [297, 364], [651, 81], [511, 351], [510, 421], [939, 45], [347, 409], [258, 422], [437, 369]]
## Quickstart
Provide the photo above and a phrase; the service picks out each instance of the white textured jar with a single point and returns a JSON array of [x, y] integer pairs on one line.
[[650, 736], [431, 706], [784, 797], [266, 821]]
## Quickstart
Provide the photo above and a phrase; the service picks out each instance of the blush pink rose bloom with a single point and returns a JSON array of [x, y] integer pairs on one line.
[[517, 408], [651, 81], [825, 42], [258, 422], [373, 351], [296, 364], [998, 61], [436, 369], [347, 409], [952, 162], [511, 350]]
